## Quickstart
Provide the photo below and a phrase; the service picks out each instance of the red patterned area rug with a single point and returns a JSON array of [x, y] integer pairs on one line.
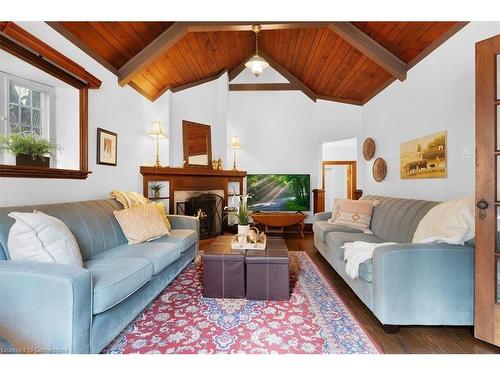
[[180, 320]]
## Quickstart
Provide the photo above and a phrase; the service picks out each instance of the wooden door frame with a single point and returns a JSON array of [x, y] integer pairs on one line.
[[351, 174], [486, 309]]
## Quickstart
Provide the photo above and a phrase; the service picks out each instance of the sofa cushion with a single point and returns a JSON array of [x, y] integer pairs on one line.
[[365, 270], [335, 241], [114, 279], [324, 227], [160, 254], [184, 238], [396, 219]]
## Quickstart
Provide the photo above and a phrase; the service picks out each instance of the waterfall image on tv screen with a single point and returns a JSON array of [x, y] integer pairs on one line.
[[278, 192]]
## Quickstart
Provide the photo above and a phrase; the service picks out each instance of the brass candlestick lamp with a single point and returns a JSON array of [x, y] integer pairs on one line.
[[234, 144], [157, 131]]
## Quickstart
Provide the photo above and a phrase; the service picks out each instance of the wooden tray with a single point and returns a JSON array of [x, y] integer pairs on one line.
[[235, 245]]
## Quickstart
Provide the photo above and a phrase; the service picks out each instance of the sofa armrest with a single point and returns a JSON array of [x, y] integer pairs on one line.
[[426, 284], [184, 222], [322, 216], [45, 307]]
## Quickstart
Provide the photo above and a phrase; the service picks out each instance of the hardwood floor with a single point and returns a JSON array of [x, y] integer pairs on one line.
[[409, 339]]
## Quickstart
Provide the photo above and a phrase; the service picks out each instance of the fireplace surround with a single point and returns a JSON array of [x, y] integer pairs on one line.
[[192, 179]]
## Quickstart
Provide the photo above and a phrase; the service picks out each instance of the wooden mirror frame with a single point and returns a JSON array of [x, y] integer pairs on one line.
[[25, 46], [185, 140]]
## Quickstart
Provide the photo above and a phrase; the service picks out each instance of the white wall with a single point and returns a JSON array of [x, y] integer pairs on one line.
[[346, 149], [437, 95], [206, 104], [121, 110], [283, 132]]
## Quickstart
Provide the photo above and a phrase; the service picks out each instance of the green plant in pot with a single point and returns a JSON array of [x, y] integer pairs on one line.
[[29, 148], [243, 215], [156, 188]]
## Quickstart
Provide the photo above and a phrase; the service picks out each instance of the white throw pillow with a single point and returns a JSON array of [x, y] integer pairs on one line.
[[42, 238]]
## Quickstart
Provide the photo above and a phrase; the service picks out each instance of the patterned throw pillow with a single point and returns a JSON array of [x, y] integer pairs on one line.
[[130, 199], [335, 209], [355, 214], [141, 223]]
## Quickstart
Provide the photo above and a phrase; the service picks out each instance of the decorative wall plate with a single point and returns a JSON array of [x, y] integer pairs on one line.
[[379, 169], [368, 148]]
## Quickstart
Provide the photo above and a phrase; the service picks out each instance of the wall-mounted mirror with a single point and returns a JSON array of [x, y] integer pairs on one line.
[[197, 144], [37, 107]]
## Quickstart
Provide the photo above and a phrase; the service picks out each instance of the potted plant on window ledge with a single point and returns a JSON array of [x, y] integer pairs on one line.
[[29, 148]]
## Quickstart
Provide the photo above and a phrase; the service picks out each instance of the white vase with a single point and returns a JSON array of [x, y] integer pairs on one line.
[[243, 229]]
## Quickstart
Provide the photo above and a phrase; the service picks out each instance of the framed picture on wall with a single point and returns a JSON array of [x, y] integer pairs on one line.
[[424, 157], [107, 143]]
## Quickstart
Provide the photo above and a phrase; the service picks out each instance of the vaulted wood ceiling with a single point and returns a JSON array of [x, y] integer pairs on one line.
[[340, 61]]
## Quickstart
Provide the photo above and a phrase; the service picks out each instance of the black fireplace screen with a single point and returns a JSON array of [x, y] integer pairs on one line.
[[208, 208]]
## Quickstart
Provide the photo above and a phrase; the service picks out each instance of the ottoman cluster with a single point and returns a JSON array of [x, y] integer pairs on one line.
[[250, 274]]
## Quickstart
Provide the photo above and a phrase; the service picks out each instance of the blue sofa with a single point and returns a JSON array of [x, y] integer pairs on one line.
[[54, 308], [403, 284]]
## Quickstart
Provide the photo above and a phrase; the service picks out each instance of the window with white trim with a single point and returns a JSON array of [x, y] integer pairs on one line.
[[27, 106]]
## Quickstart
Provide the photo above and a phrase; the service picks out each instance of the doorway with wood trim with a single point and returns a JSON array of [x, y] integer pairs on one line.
[[338, 180]]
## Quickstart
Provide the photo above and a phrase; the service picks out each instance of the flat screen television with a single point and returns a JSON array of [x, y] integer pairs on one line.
[[278, 192]]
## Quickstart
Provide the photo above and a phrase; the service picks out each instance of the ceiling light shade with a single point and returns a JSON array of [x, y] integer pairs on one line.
[[256, 64], [157, 130]]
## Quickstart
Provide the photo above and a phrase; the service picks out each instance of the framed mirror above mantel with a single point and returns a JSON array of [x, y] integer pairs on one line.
[[44, 94], [197, 145]]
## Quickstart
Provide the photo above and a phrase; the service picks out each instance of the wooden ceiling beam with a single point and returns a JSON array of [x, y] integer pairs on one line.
[[151, 52], [195, 27], [262, 87], [241, 67], [369, 47], [289, 76]]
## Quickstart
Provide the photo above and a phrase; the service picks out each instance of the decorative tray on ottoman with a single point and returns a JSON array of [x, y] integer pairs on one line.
[[251, 241]]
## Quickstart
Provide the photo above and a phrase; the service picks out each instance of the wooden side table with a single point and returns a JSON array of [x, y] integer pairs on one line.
[[279, 220]]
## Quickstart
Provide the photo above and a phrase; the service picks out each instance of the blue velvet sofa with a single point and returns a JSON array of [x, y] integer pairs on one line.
[[403, 284], [54, 308]]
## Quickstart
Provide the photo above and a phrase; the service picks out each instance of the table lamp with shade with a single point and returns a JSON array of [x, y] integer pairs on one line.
[[234, 144], [157, 131]]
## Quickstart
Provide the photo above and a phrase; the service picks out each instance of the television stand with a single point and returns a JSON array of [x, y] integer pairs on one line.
[[279, 220]]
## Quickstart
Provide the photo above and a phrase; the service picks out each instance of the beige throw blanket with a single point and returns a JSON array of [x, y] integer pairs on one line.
[[449, 222], [129, 199]]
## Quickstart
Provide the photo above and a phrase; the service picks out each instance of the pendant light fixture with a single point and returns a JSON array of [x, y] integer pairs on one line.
[[256, 64]]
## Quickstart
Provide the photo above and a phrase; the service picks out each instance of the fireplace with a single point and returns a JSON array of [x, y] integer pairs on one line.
[[208, 208], [182, 180]]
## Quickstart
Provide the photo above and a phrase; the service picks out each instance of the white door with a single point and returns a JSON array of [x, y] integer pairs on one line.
[[335, 184]]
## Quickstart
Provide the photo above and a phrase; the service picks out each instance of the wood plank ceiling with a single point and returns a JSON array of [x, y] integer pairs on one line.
[[351, 68]]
